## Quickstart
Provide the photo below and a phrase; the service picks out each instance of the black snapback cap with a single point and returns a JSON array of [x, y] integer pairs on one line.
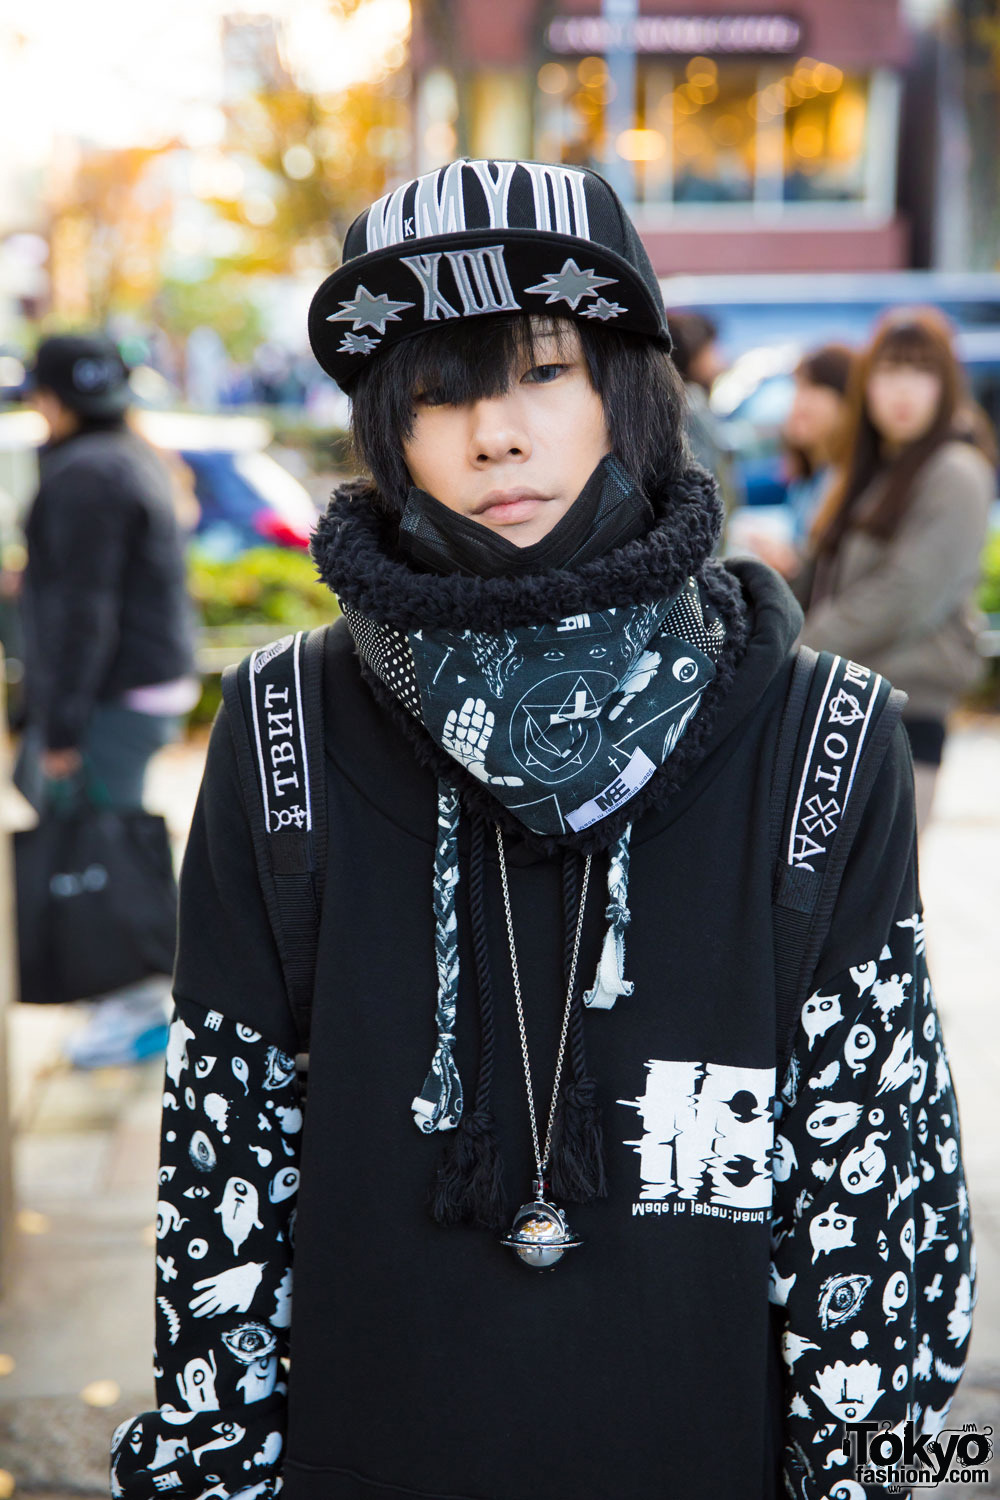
[[85, 371], [482, 237]]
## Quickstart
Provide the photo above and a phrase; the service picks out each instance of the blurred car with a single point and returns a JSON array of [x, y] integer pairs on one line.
[[767, 323], [245, 498], [232, 494]]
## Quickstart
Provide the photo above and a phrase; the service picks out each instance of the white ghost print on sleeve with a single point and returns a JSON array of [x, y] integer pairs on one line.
[[873, 1279], [224, 1274]]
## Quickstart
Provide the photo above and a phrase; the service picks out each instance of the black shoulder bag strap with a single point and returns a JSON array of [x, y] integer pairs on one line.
[[274, 702], [838, 720]]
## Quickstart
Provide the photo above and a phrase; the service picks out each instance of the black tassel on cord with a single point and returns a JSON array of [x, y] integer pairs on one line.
[[468, 1186], [577, 1170]]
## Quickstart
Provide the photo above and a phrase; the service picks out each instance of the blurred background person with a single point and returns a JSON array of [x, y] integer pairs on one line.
[[109, 664], [813, 433], [812, 438], [699, 360], [895, 549]]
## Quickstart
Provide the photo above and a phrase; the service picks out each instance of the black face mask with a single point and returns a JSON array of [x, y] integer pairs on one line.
[[608, 512]]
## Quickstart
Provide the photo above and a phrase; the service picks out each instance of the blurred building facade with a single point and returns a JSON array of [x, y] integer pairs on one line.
[[745, 137]]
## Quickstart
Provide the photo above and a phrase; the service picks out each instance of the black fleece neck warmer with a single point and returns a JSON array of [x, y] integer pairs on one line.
[[609, 511], [385, 601]]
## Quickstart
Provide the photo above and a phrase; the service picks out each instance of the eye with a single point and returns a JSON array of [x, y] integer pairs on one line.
[[432, 397], [542, 374], [841, 1298]]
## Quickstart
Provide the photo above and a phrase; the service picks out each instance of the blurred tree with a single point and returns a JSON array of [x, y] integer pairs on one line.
[[221, 304], [109, 221], [274, 198], [311, 163]]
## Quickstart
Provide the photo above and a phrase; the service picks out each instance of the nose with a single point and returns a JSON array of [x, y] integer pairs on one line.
[[496, 433]]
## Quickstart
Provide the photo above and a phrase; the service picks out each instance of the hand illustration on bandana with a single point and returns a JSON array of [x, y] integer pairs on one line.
[[467, 734]]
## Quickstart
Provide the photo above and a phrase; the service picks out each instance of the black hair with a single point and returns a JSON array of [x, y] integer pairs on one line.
[[475, 359]]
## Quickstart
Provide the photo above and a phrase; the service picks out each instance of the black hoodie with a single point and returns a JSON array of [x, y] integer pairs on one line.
[[105, 597], [761, 1268]]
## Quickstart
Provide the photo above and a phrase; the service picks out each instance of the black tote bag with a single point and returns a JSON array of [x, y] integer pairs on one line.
[[96, 901]]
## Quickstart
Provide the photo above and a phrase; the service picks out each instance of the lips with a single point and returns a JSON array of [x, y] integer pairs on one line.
[[504, 498]]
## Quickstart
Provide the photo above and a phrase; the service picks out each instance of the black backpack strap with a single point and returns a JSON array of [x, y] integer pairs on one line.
[[838, 721], [274, 700]]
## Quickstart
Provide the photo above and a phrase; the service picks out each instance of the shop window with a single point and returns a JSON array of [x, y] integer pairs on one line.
[[712, 133], [729, 132], [825, 117]]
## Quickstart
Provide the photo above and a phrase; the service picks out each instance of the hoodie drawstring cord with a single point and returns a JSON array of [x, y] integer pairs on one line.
[[468, 1186], [610, 981], [438, 1106]]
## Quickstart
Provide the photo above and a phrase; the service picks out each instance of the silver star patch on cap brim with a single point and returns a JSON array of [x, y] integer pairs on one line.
[[570, 284], [357, 343], [365, 310], [603, 309]]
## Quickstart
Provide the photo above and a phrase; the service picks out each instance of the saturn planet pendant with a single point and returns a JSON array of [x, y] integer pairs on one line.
[[539, 1234]]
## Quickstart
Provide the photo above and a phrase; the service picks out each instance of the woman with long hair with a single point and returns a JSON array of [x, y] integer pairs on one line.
[[812, 438], [813, 431], [896, 545]]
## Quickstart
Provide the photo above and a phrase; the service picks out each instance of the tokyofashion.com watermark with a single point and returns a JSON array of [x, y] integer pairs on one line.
[[898, 1457]]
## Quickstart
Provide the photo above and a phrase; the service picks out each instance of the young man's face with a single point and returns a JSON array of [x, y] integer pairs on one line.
[[515, 463]]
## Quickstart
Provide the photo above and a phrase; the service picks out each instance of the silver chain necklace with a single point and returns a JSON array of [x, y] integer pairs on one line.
[[539, 1233]]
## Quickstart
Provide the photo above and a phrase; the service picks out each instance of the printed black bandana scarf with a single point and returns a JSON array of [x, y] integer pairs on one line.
[[551, 701], [563, 721]]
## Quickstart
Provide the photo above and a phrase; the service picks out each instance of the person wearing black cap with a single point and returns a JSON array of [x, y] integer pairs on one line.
[[108, 634], [542, 684]]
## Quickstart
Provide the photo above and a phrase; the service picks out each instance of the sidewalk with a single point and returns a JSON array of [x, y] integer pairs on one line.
[[78, 1325], [76, 1332]]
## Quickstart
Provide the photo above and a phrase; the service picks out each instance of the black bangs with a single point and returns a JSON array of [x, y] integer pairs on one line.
[[465, 362], [476, 359]]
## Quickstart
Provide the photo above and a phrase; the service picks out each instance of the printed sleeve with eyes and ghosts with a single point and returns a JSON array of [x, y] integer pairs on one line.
[[873, 1268], [225, 1226]]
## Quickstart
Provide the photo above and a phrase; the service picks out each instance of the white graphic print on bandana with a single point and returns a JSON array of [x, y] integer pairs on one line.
[[707, 1136], [564, 721], [873, 1267], [228, 1182]]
